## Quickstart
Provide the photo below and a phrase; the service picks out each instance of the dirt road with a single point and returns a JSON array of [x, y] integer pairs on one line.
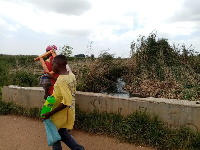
[[22, 133]]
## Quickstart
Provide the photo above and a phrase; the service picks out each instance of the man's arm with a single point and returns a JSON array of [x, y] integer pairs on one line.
[[46, 93], [49, 114]]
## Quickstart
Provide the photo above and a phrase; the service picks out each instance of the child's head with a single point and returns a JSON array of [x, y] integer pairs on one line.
[[51, 47], [59, 63]]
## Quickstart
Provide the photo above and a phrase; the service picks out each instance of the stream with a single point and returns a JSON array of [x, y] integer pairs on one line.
[[117, 89]]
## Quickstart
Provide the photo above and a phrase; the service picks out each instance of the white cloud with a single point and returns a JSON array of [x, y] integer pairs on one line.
[[66, 7]]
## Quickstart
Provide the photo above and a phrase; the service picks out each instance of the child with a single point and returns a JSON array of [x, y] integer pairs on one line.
[[48, 62], [63, 111]]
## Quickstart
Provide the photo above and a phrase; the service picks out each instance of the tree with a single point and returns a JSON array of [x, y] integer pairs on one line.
[[66, 50], [80, 56]]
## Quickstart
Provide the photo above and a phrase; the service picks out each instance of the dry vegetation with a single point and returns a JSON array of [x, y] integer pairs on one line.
[[155, 69]]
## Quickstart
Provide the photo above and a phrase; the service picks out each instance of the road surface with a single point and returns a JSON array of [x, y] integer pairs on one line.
[[22, 133]]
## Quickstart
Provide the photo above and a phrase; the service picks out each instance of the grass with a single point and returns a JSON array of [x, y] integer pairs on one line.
[[138, 129], [13, 109]]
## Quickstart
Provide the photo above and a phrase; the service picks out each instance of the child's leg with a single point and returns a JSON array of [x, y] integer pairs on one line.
[[69, 140], [57, 146]]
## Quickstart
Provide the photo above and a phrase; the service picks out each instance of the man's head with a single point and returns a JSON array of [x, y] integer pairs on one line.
[[59, 63]]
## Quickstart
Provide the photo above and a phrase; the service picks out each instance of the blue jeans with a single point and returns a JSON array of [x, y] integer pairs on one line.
[[68, 139]]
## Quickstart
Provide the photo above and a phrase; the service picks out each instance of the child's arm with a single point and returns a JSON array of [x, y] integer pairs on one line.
[[59, 108], [51, 76]]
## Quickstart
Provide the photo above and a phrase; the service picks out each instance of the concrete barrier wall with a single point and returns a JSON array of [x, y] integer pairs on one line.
[[173, 112], [24, 96]]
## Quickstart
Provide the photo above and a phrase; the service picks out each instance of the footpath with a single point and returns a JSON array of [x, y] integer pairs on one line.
[[22, 133]]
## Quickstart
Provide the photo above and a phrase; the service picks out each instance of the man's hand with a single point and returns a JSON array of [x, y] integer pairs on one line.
[[46, 116]]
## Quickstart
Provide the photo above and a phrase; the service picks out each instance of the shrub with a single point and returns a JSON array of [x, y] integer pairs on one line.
[[24, 78], [159, 63], [100, 74]]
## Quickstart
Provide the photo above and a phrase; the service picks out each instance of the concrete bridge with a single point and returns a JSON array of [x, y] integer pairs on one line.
[[174, 113]]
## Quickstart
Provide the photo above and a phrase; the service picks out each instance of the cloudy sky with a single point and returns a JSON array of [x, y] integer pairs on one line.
[[27, 27]]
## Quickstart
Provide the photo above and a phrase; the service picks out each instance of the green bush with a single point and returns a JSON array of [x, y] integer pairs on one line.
[[106, 57], [24, 78], [3, 74], [18, 69], [0, 94], [25, 60]]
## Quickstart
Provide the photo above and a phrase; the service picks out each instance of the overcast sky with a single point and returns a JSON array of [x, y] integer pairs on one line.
[[27, 27]]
